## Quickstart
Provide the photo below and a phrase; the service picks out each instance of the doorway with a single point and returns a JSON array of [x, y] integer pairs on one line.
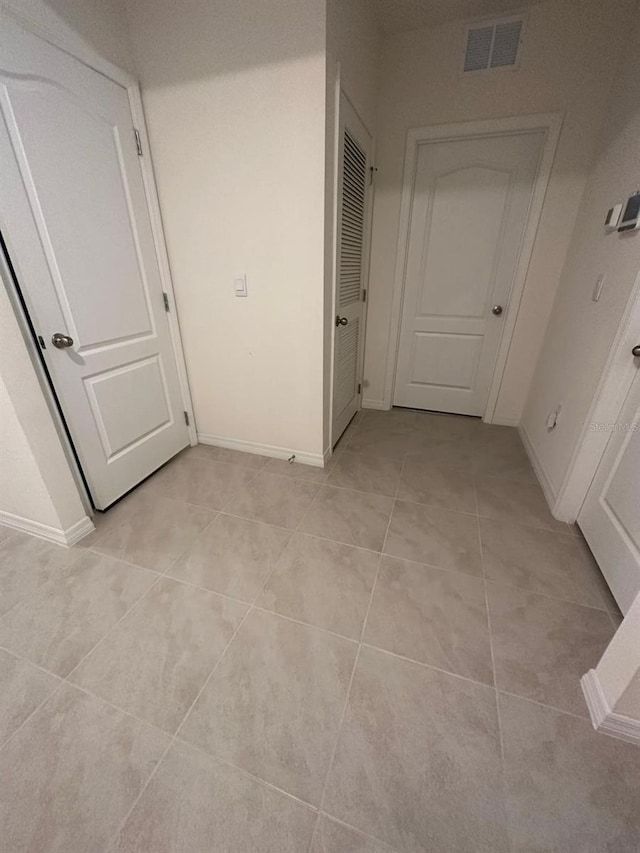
[[75, 215]]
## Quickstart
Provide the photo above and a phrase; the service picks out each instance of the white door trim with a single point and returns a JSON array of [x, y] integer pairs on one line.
[[84, 54], [550, 124]]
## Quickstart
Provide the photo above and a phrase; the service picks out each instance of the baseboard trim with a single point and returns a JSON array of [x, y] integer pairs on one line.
[[56, 535], [602, 717], [541, 474], [375, 404], [275, 452], [510, 422]]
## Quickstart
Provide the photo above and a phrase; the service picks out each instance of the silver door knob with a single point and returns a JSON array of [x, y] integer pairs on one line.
[[61, 341], [636, 351], [341, 321], [497, 310]]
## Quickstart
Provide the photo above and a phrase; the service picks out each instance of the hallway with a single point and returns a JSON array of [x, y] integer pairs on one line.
[[250, 654]]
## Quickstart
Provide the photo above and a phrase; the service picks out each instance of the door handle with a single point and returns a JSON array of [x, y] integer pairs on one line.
[[341, 321], [497, 310], [635, 352], [61, 341]]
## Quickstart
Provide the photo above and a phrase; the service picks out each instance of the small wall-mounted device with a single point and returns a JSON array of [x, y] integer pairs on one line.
[[613, 217], [240, 284], [630, 220]]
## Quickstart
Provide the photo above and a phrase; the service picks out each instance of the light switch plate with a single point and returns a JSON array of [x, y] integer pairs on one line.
[[240, 285]]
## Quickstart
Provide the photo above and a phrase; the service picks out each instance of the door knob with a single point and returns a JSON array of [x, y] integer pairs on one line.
[[497, 310], [341, 321], [61, 341], [636, 351]]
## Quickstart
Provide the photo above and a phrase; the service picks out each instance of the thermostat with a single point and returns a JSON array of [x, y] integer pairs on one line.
[[613, 217], [631, 217]]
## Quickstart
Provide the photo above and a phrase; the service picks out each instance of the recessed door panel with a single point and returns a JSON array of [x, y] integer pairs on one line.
[[445, 361]]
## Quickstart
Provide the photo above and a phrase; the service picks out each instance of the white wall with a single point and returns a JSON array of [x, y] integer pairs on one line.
[[234, 94], [569, 56], [581, 332]]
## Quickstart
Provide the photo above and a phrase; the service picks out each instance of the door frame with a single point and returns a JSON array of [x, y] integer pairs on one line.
[[339, 93], [88, 57], [550, 124]]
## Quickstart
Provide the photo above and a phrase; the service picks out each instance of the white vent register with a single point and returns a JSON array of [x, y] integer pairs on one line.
[[493, 45]]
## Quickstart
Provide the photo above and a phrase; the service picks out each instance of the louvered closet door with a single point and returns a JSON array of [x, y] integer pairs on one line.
[[353, 217]]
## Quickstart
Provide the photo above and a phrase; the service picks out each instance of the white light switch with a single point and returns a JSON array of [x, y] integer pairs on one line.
[[240, 285]]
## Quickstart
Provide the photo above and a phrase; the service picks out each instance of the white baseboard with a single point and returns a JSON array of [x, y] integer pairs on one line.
[[510, 422], [375, 404], [602, 717], [541, 474], [275, 452], [67, 537]]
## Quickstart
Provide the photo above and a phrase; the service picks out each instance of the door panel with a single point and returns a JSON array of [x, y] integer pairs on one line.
[[353, 212], [469, 210], [74, 214], [610, 515]]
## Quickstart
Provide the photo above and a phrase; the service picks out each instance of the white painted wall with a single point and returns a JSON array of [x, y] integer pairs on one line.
[[234, 94], [581, 332], [569, 58]]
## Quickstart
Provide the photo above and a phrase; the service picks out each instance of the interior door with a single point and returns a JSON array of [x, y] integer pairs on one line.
[[74, 215], [354, 182], [469, 210], [610, 515]]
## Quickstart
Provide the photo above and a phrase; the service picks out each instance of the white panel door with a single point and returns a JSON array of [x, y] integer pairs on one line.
[[353, 217], [469, 210], [74, 216], [610, 515]]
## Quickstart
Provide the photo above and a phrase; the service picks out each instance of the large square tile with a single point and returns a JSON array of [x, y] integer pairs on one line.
[[541, 561], [428, 482], [333, 837], [418, 760], [542, 646], [515, 503], [253, 461], [432, 616], [197, 804], [274, 499], [438, 537], [233, 556], [354, 518], [72, 773], [366, 473], [26, 563], [298, 470], [569, 788], [158, 657], [323, 583], [193, 478], [274, 703], [501, 454], [62, 622], [151, 531], [22, 688]]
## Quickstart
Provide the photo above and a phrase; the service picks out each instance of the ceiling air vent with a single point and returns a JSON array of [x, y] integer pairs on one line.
[[493, 45]]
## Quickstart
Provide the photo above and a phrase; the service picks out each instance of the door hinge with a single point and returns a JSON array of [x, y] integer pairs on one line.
[[186, 418], [41, 342], [364, 295], [138, 141], [359, 387], [165, 299]]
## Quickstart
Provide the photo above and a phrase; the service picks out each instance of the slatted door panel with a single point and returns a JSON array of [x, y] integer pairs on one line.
[[354, 189], [346, 376]]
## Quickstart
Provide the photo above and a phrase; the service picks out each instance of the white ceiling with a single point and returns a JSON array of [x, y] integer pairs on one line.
[[397, 16]]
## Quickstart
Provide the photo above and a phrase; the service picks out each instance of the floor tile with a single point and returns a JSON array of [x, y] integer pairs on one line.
[[197, 804], [438, 537], [153, 532], [323, 583], [568, 787], [59, 625], [414, 746], [432, 616], [5, 532], [515, 503], [428, 482], [296, 470], [332, 837], [355, 518], [71, 774], [368, 473], [252, 461], [26, 563], [501, 454], [232, 556], [382, 441], [157, 658], [22, 689], [274, 703], [541, 561], [196, 479], [542, 646], [274, 499]]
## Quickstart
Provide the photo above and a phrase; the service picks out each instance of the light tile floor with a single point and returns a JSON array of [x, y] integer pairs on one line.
[[251, 655]]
